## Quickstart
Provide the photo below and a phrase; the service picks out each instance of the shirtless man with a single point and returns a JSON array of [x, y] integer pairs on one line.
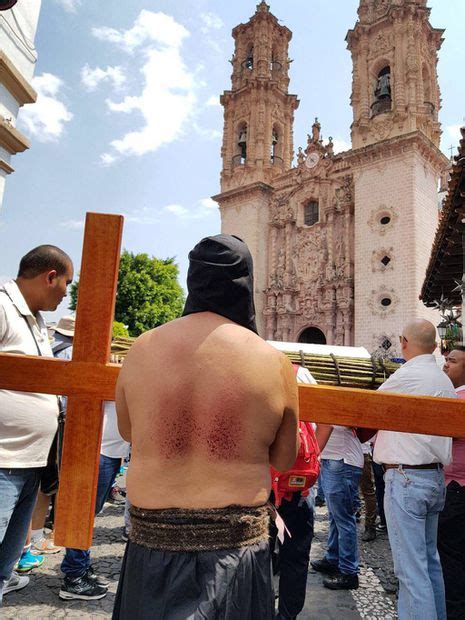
[[207, 406]]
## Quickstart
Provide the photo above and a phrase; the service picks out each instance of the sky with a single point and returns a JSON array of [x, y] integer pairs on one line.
[[128, 118]]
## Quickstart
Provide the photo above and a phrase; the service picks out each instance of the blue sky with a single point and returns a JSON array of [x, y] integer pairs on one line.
[[128, 119]]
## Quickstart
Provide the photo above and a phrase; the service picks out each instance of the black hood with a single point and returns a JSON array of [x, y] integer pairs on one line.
[[220, 280]]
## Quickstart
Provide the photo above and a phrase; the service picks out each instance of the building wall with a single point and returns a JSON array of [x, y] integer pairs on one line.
[[18, 58], [248, 219], [403, 186]]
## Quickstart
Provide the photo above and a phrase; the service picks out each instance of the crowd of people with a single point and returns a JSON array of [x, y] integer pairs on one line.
[[206, 407]]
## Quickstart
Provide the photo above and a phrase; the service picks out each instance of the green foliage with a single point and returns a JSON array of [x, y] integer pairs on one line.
[[119, 330], [148, 294]]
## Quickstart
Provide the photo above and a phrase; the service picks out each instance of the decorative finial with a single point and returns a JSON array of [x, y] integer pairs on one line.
[[263, 7]]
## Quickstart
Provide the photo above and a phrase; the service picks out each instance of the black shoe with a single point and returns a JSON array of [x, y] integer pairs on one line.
[[323, 566], [92, 576], [381, 527], [341, 582], [81, 588], [369, 534], [319, 501]]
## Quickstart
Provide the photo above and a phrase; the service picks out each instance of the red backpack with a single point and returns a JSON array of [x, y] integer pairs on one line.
[[305, 470]]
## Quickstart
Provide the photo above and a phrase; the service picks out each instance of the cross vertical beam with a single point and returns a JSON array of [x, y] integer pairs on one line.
[[92, 340]]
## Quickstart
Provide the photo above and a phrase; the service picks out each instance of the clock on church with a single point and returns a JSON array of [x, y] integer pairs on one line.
[[312, 160]]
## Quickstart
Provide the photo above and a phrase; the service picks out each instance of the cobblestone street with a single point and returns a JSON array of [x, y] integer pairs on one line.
[[374, 600]]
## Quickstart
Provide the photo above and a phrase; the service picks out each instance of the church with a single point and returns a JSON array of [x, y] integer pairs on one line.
[[340, 242]]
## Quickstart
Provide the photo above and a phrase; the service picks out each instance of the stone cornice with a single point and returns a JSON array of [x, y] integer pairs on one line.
[[14, 82], [367, 155], [6, 167], [11, 139], [243, 192]]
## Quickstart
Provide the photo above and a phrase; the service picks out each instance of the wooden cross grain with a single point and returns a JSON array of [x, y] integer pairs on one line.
[[88, 379]]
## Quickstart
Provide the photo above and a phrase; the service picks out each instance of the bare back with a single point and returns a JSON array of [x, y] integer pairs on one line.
[[205, 403]]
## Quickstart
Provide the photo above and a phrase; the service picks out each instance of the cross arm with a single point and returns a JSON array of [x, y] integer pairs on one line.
[[56, 376], [382, 410]]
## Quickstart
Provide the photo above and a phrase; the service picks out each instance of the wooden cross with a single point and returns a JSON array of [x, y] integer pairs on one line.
[[88, 379]]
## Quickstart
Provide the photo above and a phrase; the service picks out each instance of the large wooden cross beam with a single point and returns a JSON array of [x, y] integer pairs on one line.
[[89, 379]]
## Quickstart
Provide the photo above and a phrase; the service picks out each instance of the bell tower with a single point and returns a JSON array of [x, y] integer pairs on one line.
[[257, 137], [258, 111], [396, 164], [395, 86]]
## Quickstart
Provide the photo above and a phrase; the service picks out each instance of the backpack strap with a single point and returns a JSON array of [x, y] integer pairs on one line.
[[62, 346]]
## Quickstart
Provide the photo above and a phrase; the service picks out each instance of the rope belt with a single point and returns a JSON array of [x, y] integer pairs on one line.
[[203, 529]]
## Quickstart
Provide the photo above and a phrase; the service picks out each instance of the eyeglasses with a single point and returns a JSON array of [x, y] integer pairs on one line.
[[402, 339]]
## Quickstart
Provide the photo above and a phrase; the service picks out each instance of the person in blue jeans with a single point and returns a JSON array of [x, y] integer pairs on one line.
[[28, 421], [414, 481], [341, 470], [80, 580]]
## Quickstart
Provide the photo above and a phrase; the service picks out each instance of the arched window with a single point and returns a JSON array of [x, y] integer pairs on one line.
[[241, 149], [312, 335], [311, 213], [248, 62], [382, 94], [276, 146]]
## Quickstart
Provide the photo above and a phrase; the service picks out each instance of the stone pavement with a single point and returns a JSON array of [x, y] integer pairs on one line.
[[374, 600]]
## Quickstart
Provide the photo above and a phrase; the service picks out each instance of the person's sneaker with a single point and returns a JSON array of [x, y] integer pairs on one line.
[[92, 576], [323, 566], [15, 582], [116, 496], [381, 527], [44, 546], [81, 588], [341, 582], [28, 561], [319, 501], [369, 534]]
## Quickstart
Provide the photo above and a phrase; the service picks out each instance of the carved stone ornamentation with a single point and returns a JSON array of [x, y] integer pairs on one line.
[[383, 219], [383, 301]]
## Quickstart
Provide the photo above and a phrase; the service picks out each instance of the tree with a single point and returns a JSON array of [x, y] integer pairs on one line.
[[148, 293]]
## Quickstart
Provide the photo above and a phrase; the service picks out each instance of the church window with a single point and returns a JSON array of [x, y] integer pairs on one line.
[[241, 152], [386, 301], [248, 62], [382, 92], [386, 260], [276, 146], [386, 344], [385, 220], [311, 213]]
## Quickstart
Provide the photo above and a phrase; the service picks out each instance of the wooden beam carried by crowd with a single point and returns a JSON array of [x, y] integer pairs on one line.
[[88, 379]]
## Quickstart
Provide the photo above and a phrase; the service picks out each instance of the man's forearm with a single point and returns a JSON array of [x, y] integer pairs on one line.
[[323, 433]]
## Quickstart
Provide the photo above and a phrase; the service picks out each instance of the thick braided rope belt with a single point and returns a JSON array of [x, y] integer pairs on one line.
[[208, 529]]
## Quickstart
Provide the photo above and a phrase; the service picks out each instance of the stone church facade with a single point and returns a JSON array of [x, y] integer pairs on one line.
[[340, 241]]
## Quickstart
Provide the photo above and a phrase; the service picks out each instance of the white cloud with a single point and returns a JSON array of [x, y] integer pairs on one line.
[[69, 5], [149, 27], [453, 132], [107, 159], [167, 100], [143, 215], [177, 210], [214, 100], [91, 78], [205, 207], [73, 224], [341, 145], [46, 119], [209, 134], [211, 21]]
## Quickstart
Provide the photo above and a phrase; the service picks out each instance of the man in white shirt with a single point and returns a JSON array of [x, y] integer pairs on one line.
[[414, 478], [28, 421]]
